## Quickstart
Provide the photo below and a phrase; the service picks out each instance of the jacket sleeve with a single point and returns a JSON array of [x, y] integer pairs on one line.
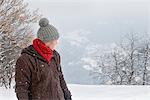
[[22, 79], [67, 93]]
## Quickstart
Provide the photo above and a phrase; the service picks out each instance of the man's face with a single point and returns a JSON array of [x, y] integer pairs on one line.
[[52, 44]]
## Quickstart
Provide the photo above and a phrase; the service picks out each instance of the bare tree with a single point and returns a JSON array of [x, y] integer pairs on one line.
[[16, 22], [128, 63]]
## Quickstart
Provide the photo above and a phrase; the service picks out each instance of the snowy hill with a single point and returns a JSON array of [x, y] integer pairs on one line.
[[94, 92], [109, 92]]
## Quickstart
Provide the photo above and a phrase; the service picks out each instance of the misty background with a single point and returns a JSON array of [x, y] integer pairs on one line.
[[84, 24]]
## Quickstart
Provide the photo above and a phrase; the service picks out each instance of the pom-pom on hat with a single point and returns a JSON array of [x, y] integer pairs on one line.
[[46, 31]]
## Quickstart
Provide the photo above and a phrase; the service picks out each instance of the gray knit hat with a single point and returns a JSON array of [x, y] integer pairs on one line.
[[46, 31]]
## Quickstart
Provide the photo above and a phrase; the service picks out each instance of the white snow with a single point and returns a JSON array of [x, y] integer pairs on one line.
[[95, 92], [110, 92]]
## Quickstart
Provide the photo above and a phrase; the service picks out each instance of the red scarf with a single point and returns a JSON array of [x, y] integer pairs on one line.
[[42, 49]]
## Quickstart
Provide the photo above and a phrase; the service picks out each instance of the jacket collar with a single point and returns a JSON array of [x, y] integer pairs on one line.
[[31, 51]]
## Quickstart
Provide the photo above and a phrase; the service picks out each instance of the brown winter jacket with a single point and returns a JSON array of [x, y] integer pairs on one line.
[[37, 80]]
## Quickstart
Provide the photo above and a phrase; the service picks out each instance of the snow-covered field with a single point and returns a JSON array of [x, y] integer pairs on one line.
[[94, 92]]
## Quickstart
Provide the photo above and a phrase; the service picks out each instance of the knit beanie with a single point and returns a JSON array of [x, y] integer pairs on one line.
[[46, 31]]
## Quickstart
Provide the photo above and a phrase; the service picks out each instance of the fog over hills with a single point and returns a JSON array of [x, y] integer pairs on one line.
[[83, 25]]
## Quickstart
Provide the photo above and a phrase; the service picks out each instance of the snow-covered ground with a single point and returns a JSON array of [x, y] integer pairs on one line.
[[94, 92]]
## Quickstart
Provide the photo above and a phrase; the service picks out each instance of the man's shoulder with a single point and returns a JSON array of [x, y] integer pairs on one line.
[[23, 57], [56, 52], [57, 55]]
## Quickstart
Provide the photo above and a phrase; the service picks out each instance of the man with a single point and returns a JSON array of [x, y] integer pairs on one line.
[[38, 73]]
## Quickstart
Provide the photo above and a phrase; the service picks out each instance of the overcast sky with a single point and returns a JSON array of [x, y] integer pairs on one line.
[[89, 0], [105, 20]]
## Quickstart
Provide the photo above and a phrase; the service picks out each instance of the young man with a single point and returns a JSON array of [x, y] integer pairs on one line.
[[38, 73]]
